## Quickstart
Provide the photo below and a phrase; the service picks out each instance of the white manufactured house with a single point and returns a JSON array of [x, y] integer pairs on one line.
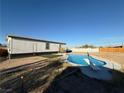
[[23, 45]]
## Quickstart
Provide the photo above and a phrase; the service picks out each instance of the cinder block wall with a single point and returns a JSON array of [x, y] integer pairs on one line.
[[121, 50], [85, 49]]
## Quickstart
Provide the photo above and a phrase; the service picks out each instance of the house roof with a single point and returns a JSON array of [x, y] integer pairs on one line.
[[32, 39]]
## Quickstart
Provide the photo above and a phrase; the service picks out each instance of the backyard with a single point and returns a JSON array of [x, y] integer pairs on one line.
[[62, 46], [48, 74]]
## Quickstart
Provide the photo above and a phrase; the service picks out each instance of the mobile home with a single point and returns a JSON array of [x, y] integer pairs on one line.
[[24, 45]]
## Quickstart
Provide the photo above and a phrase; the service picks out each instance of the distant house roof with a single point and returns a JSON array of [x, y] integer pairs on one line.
[[115, 46], [27, 38], [118, 46]]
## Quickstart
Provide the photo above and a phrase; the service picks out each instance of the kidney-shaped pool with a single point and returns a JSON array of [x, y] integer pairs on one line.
[[80, 60]]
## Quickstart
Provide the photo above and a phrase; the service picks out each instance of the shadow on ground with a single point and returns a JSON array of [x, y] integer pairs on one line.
[[71, 80], [29, 80]]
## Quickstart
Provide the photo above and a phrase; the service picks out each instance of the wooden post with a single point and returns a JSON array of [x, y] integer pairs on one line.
[[22, 85], [9, 55]]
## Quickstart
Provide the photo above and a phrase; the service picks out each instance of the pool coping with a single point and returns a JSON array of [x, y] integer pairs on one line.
[[109, 63]]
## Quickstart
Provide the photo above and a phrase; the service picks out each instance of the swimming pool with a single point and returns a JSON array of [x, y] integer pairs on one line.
[[80, 60]]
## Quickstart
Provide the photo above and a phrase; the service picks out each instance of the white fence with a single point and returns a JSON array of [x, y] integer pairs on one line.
[[85, 49]]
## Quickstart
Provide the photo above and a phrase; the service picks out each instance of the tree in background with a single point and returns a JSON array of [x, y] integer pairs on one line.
[[87, 46]]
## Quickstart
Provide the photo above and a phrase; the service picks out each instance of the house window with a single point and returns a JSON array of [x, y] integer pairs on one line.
[[47, 45]]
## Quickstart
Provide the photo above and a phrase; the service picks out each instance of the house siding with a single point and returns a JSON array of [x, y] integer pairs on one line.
[[19, 46]]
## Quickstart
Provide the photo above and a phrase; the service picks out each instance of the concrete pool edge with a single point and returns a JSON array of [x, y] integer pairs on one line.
[[109, 63], [83, 60], [99, 74]]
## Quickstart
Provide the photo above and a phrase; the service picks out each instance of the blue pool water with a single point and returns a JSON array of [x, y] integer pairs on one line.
[[79, 59]]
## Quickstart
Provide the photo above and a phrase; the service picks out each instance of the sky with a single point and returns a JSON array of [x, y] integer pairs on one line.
[[75, 22]]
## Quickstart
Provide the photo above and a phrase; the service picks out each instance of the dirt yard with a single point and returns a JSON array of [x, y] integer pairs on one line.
[[22, 75], [19, 62], [71, 80], [115, 57], [39, 79]]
